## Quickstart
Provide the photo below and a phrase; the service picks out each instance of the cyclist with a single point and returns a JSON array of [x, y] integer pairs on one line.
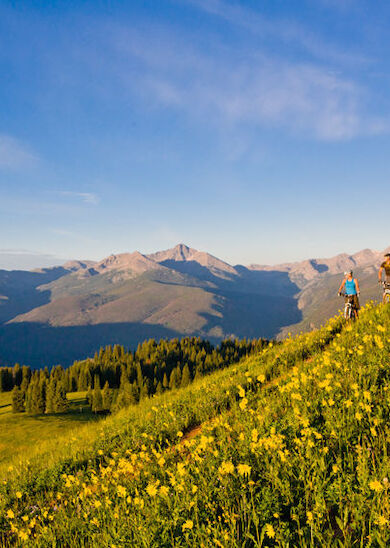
[[386, 267], [351, 286]]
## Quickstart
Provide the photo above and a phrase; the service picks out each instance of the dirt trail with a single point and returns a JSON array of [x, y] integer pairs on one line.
[[196, 430]]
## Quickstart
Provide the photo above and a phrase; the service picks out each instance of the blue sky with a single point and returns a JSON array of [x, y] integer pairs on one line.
[[258, 131]]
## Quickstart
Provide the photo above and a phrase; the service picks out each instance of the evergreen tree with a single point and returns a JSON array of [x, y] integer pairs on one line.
[[17, 375], [50, 396], [61, 403], [107, 397], [96, 381], [173, 379], [90, 396], [127, 394], [186, 376], [24, 385], [37, 398], [165, 382], [97, 399], [17, 400], [82, 381], [29, 397], [178, 376]]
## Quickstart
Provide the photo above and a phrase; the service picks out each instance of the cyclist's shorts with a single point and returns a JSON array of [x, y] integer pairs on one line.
[[356, 303]]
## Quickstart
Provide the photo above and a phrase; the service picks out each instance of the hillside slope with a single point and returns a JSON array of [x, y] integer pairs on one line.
[[292, 449]]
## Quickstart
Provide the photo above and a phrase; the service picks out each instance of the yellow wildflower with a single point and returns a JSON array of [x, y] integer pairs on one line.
[[376, 485], [121, 491], [151, 489], [138, 502], [243, 403], [181, 469], [296, 396], [241, 391], [10, 514], [18, 494], [367, 395], [187, 525], [244, 469], [226, 468], [164, 490], [269, 531]]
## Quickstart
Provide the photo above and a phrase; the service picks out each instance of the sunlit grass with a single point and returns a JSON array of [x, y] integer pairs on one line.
[[22, 436], [292, 450]]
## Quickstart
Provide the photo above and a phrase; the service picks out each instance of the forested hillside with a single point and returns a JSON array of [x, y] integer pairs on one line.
[[289, 447], [125, 377]]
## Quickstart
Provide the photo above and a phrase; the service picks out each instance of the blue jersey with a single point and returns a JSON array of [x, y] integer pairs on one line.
[[350, 287]]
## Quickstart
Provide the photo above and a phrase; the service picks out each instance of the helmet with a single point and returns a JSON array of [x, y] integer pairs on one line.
[[347, 272], [387, 255]]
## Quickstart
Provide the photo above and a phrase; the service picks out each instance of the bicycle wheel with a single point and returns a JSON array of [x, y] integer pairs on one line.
[[347, 311], [386, 298]]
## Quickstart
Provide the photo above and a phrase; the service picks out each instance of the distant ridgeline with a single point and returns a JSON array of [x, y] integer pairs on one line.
[[126, 377]]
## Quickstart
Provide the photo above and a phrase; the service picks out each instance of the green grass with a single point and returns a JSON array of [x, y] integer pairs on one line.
[[22, 436], [293, 451]]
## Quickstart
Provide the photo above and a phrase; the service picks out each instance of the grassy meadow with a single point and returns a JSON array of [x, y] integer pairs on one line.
[[287, 448], [22, 434]]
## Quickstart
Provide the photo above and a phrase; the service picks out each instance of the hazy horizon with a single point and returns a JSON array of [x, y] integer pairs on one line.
[[27, 260]]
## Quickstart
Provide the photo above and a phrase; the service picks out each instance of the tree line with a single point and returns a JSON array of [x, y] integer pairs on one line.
[[116, 377]]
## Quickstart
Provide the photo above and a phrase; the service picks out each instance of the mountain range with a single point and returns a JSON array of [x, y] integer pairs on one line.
[[59, 314]]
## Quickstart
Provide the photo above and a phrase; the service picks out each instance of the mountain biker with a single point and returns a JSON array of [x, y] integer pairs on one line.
[[386, 267], [351, 286]]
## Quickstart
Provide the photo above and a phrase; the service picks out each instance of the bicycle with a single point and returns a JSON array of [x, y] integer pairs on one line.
[[386, 292], [350, 312]]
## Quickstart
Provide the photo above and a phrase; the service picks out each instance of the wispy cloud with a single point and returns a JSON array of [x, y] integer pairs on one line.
[[285, 31], [24, 259], [15, 155], [249, 87], [18, 251], [86, 197]]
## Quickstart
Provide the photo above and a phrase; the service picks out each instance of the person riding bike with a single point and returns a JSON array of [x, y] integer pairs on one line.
[[386, 267], [351, 287]]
